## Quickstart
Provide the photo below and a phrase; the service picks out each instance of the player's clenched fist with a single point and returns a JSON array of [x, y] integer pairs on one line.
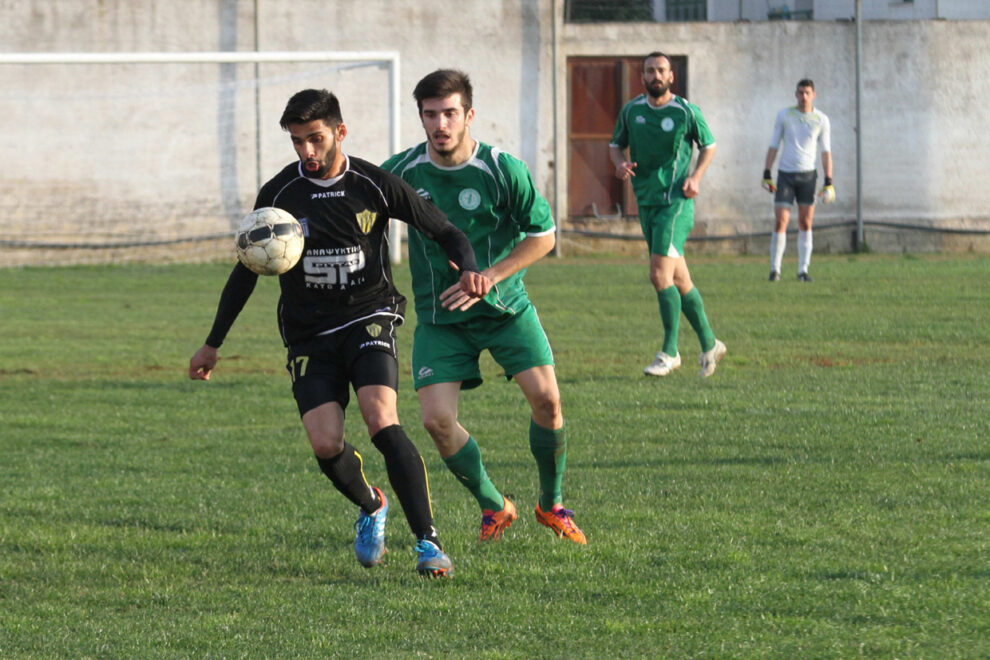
[[768, 182]]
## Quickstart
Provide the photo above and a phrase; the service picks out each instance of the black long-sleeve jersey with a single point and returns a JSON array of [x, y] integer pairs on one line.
[[344, 275]]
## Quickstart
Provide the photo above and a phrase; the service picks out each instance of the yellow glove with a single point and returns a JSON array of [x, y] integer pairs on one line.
[[768, 182], [827, 192]]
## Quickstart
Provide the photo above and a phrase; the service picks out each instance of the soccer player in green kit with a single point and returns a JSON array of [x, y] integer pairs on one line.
[[660, 130], [490, 196]]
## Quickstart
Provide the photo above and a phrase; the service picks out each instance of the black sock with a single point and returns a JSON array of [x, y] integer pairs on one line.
[[407, 474], [345, 471]]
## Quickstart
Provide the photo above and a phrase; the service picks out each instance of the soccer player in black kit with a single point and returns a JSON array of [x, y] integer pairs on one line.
[[338, 313]]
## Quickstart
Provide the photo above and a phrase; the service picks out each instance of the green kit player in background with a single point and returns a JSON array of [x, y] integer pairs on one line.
[[660, 130], [490, 196]]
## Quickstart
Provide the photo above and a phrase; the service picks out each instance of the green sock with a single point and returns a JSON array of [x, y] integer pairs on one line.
[[694, 310], [467, 467], [550, 451], [670, 314]]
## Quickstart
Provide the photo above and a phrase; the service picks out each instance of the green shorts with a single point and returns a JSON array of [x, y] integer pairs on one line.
[[667, 228], [449, 353]]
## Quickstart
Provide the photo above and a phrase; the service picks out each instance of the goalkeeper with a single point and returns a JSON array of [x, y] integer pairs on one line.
[[800, 129]]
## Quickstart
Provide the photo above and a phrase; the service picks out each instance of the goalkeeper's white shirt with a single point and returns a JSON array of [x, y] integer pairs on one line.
[[796, 134]]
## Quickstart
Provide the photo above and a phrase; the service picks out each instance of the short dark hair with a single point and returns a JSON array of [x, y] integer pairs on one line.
[[655, 53], [806, 82], [443, 83], [310, 105]]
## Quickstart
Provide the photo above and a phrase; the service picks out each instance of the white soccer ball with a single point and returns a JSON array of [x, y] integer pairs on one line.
[[269, 241]]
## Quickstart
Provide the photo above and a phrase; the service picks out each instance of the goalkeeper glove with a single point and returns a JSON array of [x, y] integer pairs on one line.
[[828, 191], [768, 182]]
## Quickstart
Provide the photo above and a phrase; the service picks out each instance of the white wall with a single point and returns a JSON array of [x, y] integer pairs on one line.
[[924, 111], [922, 119]]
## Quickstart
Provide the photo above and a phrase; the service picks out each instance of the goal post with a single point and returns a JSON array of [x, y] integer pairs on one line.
[[108, 124]]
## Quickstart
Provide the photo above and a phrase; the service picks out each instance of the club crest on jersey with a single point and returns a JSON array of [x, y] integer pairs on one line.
[[366, 220], [667, 124], [373, 329], [469, 199]]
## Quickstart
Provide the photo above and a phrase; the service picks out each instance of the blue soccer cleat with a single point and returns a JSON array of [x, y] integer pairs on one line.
[[369, 544], [433, 562]]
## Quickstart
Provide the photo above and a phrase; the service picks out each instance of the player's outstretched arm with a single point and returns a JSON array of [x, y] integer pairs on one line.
[[202, 362], [235, 294]]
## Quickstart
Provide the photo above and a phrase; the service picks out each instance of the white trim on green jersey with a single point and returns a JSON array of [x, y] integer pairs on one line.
[[660, 141], [800, 133], [492, 199]]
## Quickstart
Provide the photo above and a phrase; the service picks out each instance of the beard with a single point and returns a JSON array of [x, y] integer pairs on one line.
[[314, 168], [657, 88]]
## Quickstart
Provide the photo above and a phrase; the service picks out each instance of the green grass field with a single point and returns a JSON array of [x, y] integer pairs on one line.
[[825, 494]]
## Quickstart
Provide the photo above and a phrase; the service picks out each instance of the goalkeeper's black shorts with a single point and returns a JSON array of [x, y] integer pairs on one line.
[[795, 185]]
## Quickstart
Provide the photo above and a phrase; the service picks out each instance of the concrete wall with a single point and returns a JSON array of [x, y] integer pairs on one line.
[[921, 139], [924, 136], [63, 171]]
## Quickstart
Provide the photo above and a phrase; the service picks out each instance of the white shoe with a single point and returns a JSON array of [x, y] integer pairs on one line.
[[663, 364], [710, 359]]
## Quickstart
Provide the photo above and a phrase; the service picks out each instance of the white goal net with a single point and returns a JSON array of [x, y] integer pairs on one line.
[[112, 158]]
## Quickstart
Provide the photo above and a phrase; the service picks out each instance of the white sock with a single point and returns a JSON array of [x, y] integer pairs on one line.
[[777, 244], [804, 250]]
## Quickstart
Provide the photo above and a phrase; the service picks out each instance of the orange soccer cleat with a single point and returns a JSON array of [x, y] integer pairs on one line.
[[494, 523], [561, 521]]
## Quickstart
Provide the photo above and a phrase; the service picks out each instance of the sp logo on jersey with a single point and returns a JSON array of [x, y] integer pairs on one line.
[[469, 199], [366, 220], [373, 329]]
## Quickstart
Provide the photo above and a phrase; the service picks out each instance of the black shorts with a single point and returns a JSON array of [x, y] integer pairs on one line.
[[795, 185], [323, 368]]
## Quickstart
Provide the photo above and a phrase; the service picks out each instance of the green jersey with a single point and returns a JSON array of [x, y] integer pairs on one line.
[[660, 141], [492, 199]]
